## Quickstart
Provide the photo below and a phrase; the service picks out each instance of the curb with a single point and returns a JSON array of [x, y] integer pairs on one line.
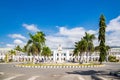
[[58, 66]]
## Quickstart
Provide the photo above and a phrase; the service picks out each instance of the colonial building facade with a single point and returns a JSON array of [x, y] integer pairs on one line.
[[59, 55]]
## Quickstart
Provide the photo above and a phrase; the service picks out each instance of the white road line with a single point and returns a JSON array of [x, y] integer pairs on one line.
[[33, 78], [81, 78], [1, 73], [10, 78]]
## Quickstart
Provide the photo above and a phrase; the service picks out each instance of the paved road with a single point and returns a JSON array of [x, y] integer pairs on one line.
[[9, 72]]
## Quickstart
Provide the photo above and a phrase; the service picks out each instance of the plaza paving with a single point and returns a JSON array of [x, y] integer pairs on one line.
[[10, 72]]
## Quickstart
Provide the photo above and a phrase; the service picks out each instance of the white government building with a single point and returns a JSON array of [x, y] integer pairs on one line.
[[59, 55]]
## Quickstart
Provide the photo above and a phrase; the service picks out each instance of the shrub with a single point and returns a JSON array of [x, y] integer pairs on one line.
[[112, 59], [1, 60]]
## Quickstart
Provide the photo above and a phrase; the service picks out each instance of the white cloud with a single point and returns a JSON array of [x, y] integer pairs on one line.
[[54, 41], [17, 36], [113, 32], [18, 42], [113, 38], [31, 27], [67, 37], [10, 45], [114, 25], [71, 32]]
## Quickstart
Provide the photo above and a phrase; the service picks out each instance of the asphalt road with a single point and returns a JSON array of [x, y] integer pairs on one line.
[[10, 72]]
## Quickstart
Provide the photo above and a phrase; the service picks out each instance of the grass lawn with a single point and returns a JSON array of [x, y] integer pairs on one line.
[[57, 64]]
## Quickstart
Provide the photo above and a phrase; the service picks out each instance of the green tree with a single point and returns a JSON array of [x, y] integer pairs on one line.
[[35, 43], [24, 49], [101, 39], [90, 46], [12, 52], [97, 48], [11, 55], [18, 48], [85, 45], [46, 52], [80, 48], [31, 46]]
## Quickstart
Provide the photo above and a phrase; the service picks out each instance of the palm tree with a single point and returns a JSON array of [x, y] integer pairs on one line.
[[97, 48], [101, 39], [46, 52], [80, 48], [76, 52], [90, 46], [36, 43], [85, 45], [31, 46], [12, 53], [18, 48]]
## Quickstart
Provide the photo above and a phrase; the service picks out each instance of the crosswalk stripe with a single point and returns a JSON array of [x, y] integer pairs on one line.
[[10, 78], [33, 77]]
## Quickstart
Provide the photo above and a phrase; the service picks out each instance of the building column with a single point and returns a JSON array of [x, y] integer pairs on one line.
[[67, 55], [54, 56]]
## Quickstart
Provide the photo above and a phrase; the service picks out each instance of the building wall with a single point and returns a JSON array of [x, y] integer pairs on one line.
[[66, 55], [4, 51]]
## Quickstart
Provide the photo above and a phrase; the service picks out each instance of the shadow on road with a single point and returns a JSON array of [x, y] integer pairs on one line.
[[93, 72], [89, 72]]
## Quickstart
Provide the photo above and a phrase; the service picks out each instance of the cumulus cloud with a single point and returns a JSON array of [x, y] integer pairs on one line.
[[31, 27], [54, 41], [17, 36], [10, 45], [18, 42], [114, 25], [113, 32], [71, 32], [67, 37]]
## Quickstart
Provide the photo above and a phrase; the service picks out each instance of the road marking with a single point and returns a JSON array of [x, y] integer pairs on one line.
[[80, 78], [10, 78], [33, 78], [1, 73]]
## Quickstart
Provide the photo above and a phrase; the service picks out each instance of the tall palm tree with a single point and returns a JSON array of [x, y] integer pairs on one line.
[[40, 40], [97, 48], [80, 48], [85, 45], [35, 43], [31, 46], [76, 52], [90, 46], [101, 39]]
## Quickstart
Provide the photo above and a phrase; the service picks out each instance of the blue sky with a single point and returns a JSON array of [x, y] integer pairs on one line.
[[57, 19]]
